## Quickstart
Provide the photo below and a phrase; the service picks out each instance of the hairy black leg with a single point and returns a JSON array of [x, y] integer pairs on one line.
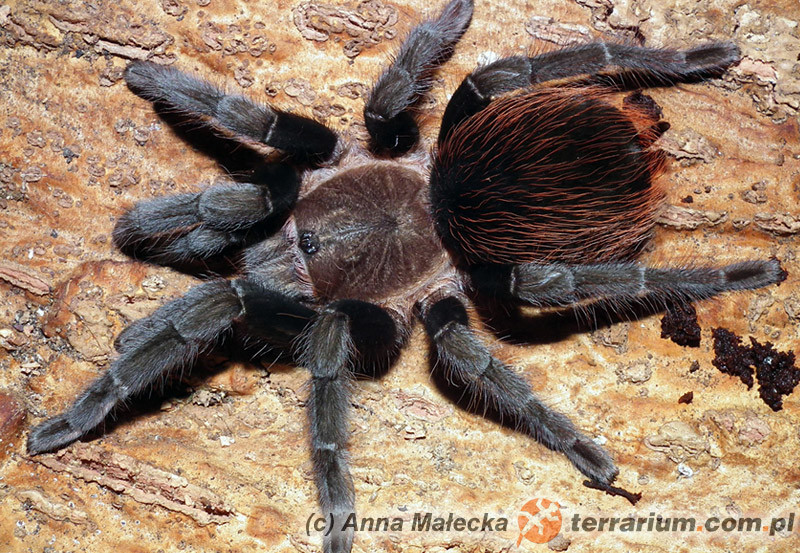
[[187, 227], [650, 66], [328, 345], [467, 362], [168, 341], [427, 47], [544, 284], [299, 136]]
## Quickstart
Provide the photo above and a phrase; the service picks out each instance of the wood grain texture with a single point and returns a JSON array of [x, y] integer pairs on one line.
[[77, 148]]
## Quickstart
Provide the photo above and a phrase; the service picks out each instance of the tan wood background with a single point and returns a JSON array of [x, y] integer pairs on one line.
[[223, 466]]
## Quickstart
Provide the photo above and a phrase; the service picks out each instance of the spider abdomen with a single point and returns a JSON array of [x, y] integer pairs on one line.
[[547, 175], [366, 233]]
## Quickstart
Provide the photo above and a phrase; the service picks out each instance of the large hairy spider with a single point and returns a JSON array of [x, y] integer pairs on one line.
[[533, 193]]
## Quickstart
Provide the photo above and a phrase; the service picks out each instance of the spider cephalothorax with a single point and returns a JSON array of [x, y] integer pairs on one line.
[[532, 194], [387, 250]]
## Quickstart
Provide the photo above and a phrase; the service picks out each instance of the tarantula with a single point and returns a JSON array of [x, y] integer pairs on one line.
[[533, 193]]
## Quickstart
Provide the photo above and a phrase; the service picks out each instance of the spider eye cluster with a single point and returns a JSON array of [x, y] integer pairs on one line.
[[309, 242]]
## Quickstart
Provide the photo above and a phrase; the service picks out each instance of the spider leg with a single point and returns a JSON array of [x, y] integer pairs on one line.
[[467, 362], [299, 136], [428, 46], [649, 65], [170, 340], [328, 345], [196, 226], [540, 283]]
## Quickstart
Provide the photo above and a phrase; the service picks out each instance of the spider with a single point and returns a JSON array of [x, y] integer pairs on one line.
[[534, 193]]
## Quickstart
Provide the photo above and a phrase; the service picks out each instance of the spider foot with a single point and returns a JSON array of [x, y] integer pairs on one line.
[[592, 460], [52, 434]]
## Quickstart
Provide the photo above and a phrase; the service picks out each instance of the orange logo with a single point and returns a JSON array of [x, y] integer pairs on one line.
[[539, 521]]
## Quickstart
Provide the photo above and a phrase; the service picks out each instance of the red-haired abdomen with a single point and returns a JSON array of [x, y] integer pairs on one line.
[[548, 175]]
